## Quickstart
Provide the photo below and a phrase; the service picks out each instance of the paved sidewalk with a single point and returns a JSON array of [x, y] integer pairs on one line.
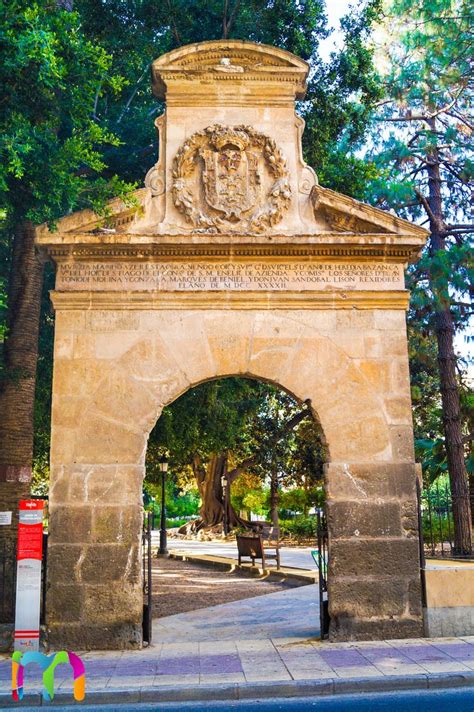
[[285, 614], [214, 653], [292, 557], [237, 669]]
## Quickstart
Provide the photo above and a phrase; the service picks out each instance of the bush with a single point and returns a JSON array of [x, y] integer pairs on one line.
[[300, 527], [174, 523]]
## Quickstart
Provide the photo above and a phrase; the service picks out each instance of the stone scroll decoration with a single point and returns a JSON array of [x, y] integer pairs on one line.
[[231, 179]]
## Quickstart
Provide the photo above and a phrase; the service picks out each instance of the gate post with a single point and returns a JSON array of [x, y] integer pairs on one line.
[[374, 587]]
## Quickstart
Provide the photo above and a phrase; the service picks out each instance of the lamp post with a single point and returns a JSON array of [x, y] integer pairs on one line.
[[225, 520], [163, 551]]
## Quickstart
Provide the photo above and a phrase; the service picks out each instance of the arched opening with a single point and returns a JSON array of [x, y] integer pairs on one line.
[[239, 429], [244, 456]]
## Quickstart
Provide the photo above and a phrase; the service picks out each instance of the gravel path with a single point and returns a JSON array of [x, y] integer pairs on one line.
[[181, 586]]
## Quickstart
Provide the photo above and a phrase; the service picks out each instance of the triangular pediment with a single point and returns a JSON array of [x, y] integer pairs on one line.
[[347, 215], [229, 59], [118, 218]]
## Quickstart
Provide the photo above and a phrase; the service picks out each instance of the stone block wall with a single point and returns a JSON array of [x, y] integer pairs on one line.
[[115, 369]]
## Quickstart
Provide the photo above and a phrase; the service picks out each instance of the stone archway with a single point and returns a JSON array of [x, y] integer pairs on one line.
[[302, 287]]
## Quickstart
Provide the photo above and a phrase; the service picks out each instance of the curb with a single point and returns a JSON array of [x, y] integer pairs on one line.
[[224, 564], [254, 691]]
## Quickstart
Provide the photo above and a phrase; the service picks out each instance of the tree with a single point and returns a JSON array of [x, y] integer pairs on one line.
[[425, 156], [341, 91], [51, 163], [226, 429], [83, 122]]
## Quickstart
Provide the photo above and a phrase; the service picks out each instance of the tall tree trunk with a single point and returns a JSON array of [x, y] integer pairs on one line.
[[209, 483], [274, 500], [444, 327], [17, 385]]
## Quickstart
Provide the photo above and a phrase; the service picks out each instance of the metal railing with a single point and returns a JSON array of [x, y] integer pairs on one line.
[[446, 522], [322, 560], [147, 577]]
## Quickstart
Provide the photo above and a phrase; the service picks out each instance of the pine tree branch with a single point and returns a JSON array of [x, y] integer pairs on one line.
[[175, 29], [426, 206], [233, 15], [132, 95], [461, 118], [451, 170]]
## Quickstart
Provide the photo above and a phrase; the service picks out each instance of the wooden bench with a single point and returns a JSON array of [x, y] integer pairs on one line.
[[254, 547]]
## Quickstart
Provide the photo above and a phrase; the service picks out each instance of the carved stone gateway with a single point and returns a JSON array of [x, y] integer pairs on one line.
[[237, 262]]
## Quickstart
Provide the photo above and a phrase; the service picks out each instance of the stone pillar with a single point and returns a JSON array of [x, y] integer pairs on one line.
[[374, 585], [95, 595]]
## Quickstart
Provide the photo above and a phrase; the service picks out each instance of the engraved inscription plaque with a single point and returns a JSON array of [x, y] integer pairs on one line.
[[232, 276]]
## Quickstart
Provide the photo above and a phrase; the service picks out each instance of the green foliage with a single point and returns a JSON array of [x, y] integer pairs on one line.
[[422, 142], [179, 502], [213, 417], [242, 417], [256, 501], [424, 122], [300, 500], [341, 91], [86, 132], [340, 98], [50, 144], [300, 527]]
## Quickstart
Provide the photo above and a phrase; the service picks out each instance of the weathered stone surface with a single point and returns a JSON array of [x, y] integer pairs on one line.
[[6, 637], [374, 598], [344, 628], [113, 604], [252, 269], [373, 557], [119, 636], [70, 525], [368, 480], [63, 562], [360, 519], [120, 524], [64, 602], [108, 562]]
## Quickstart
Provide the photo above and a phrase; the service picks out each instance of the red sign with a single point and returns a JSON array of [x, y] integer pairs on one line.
[[30, 535], [29, 505], [28, 579]]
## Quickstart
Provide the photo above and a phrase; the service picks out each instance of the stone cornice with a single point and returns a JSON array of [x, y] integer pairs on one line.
[[229, 300], [381, 251], [192, 68]]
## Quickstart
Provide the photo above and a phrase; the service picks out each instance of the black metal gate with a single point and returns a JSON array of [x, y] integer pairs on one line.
[[147, 577], [421, 546], [323, 574]]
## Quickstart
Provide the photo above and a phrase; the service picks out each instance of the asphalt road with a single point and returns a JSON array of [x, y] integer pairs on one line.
[[462, 700], [298, 558]]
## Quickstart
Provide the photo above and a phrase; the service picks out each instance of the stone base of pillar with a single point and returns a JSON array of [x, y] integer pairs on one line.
[[374, 585], [112, 636]]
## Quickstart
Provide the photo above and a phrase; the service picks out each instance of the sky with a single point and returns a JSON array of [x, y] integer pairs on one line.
[[335, 9]]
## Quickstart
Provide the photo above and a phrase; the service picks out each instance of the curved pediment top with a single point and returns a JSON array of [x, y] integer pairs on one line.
[[222, 59]]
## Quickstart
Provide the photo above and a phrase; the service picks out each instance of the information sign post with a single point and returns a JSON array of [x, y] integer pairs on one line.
[[28, 581]]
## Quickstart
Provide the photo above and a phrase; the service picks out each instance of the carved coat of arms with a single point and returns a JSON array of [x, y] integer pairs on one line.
[[232, 163]]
